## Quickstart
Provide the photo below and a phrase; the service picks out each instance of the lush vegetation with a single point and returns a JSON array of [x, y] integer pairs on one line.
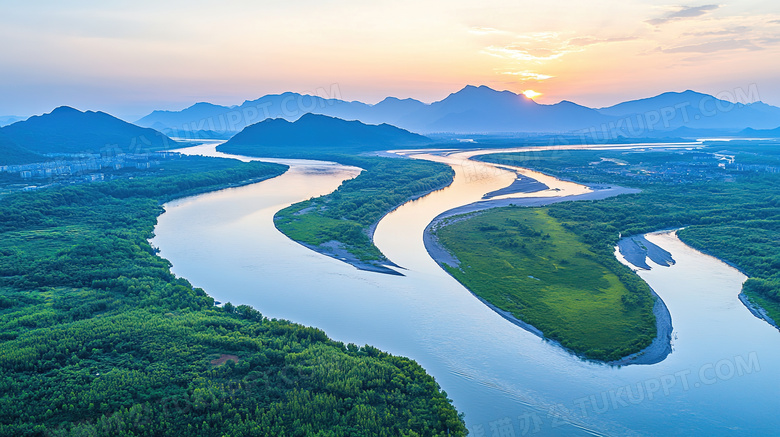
[[347, 215], [98, 337], [729, 211], [526, 262], [12, 154]]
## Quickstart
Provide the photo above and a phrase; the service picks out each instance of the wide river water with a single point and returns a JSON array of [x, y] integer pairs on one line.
[[722, 378]]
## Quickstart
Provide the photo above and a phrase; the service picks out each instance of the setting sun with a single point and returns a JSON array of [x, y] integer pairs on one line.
[[531, 94]]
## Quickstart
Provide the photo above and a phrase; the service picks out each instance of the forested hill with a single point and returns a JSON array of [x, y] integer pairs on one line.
[[69, 131], [98, 337], [11, 153], [314, 133]]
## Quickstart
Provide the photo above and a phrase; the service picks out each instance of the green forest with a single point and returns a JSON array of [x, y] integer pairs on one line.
[[347, 215], [729, 210], [98, 336]]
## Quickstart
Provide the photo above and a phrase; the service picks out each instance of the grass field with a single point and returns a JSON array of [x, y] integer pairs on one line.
[[526, 262]]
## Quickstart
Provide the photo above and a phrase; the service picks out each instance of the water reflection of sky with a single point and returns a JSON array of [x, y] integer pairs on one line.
[[501, 376]]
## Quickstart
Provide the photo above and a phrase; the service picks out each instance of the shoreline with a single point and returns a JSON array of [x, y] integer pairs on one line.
[[658, 349], [225, 186], [757, 310], [335, 249]]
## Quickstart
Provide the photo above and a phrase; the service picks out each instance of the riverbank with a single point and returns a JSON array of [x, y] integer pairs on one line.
[[659, 348], [336, 249], [755, 308], [598, 193], [341, 224]]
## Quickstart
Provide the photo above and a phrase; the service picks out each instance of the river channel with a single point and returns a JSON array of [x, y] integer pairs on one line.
[[721, 378]]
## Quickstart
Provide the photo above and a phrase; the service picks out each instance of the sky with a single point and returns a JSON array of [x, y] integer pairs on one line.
[[129, 58]]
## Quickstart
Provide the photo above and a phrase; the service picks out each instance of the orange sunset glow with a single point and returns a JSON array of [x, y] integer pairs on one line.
[[133, 58]]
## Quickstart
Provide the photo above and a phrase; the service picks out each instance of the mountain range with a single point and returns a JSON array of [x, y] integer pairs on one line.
[[761, 133], [287, 121], [66, 130], [481, 110]]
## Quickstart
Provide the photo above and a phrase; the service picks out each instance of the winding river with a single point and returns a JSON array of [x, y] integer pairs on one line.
[[721, 378]]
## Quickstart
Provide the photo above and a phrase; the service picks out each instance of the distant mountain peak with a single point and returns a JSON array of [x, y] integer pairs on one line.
[[64, 110], [68, 130], [316, 131]]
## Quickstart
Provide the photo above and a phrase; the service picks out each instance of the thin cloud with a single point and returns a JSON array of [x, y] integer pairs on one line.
[[682, 13], [769, 40], [528, 55], [528, 75], [587, 41], [714, 46], [731, 31], [486, 31], [545, 46]]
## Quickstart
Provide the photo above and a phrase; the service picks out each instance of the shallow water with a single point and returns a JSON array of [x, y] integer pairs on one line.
[[720, 379]]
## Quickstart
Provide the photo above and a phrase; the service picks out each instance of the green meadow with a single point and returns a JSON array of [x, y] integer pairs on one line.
[[526, 262]]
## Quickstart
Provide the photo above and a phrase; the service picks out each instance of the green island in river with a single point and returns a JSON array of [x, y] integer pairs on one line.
[[341, 224], [725, 201], [524, 261], [100, 338]]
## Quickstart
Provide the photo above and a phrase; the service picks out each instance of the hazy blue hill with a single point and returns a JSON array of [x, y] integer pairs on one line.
[[68, 130], [5, 120], [653, 103], [761, 133], [11, 153], [292, 106], [482, 110], [319, 133], [186, 119], [693, 133], [696, 110], [226, 120], [485, 110], [392, 109]]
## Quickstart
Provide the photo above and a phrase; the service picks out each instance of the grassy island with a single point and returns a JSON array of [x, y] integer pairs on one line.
[[725, 195], [342, 222], [526, 262]]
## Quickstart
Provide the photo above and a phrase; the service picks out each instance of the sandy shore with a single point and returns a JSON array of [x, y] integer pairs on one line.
[[523, 184], [661, 346], [335, 249], [598, 193], [658, 350], [636, 250], [757, 310]]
